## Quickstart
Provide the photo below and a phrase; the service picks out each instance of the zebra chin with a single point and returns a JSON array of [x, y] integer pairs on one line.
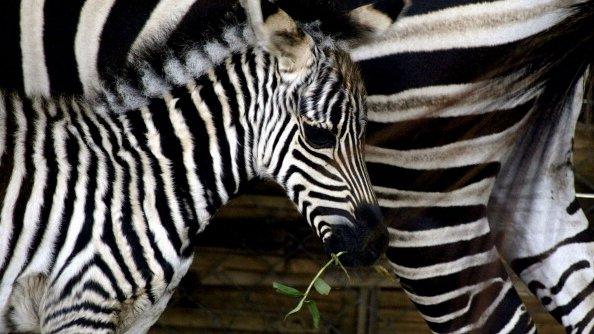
[[363, 239]]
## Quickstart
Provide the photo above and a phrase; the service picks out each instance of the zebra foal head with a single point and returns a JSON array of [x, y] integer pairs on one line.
[[319, 160]]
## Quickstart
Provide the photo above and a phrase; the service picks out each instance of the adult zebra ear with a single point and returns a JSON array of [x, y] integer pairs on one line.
[[279, 34]]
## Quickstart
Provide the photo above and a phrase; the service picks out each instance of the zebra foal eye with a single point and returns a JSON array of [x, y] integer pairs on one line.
[[318, 137]]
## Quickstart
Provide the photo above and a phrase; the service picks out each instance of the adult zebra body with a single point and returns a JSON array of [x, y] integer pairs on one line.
[[99, 208], [434, 168]]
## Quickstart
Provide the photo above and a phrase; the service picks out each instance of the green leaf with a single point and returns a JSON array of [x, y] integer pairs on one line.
[[322, 287], [286, 290], [316, 283], [315, 313]]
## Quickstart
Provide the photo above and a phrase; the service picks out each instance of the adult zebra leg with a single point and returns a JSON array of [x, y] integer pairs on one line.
[[542, 231], [447, 263], [434, 196], [535, 202]]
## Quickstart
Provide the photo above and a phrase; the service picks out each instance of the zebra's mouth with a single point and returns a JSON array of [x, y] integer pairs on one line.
[[364, 242]]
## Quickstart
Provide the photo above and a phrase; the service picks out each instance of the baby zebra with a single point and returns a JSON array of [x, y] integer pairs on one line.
[[99, 209]]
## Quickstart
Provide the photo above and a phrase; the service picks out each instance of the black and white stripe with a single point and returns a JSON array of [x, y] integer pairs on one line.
[[433, 171], [84, 47], [434, 167]]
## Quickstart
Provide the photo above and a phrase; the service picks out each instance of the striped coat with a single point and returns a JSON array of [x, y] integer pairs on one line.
[[434, 169]]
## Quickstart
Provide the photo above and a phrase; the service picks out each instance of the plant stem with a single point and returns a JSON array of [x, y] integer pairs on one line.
[[311, 284]]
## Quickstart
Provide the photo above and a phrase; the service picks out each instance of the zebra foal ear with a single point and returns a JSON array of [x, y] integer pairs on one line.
[[279, 34]]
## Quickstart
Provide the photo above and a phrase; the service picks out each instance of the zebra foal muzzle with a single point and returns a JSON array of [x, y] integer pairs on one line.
[[364, 240]]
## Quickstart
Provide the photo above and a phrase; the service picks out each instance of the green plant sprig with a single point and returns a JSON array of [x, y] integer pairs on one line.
[[317, 283]]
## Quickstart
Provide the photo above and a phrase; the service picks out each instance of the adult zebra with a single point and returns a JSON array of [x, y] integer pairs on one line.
[[433, 170], [99, 207]]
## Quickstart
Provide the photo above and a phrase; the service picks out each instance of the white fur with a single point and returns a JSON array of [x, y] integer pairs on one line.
[[35, 76], [197, 62], [131, 96], [230, 130], [152, 84], [120, 190], [424, 102], [26, 300], [447, 267], [216, 52], [154, 145], [39, 263], [35, 200], [232, 36], [176, 72], [457, 154], [438, 236], [149, 205], [473, 194], [187, 143], [93, 16], [78, 215], [11, 195], [163, 20], [139, 225], [205, 114], [474, 25]]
